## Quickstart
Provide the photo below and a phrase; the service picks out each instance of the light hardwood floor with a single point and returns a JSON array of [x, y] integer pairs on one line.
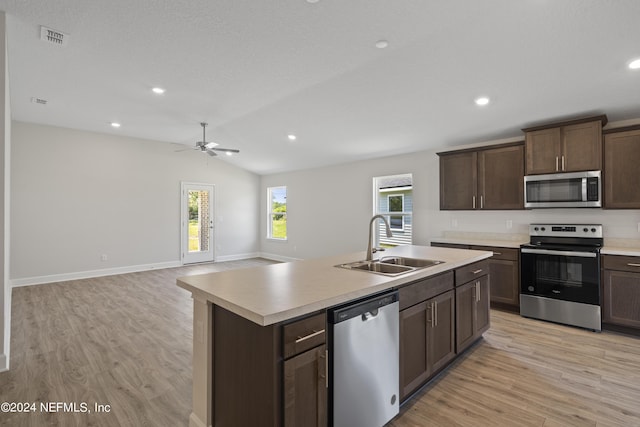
[[125, 341]]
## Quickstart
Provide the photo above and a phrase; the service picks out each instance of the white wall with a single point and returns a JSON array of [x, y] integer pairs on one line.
[[329, 209], [76, 195], [5, 151]]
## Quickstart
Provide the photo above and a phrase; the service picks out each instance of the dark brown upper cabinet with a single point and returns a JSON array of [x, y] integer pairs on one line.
[[621, 160], [488, 179], [569, 146]]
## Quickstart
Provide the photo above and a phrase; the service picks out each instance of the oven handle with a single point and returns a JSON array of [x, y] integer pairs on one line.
[[565, 253]]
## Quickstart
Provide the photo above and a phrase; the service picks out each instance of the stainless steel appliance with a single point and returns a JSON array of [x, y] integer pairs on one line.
[[563, 190], [364, 362], [560, 274]]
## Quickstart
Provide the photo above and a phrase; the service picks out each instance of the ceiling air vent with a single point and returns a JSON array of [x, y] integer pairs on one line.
[[53, 36]]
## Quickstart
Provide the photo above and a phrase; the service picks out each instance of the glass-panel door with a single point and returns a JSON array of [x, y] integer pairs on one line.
[[197, 223]]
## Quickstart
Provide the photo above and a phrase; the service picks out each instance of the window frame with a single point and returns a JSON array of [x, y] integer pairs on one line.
[[400, 213], [271, 213]]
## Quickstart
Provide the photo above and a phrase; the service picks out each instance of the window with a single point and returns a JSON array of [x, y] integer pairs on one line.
[[277, 211], [393, 198]]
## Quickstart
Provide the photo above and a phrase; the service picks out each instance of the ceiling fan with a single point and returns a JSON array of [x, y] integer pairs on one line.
[[210, 147]]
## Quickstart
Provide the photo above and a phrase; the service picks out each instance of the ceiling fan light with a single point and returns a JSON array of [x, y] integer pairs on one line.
[[211, 144]]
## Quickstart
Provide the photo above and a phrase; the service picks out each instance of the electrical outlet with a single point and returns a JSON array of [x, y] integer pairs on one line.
[[509, 224], [103, 257]]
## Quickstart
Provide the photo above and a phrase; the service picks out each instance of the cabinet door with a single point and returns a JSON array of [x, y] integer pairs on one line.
[[581, 147], [458, 181], [621, 298], [501, 178], [441, 334], [465, 315], [414, 369], [505, 281], [542, 149], [305, 392], [621, 179]]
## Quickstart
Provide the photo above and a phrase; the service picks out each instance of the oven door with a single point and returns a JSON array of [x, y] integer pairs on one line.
[[570, 275]]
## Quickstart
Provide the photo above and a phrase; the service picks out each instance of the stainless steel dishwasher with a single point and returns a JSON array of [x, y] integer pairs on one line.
[[364, 362]]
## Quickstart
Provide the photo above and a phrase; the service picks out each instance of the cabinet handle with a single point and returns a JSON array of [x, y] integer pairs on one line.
[[477, 271], [477, 291], [497, 253], [435, 312], [481, 202], [633, 264], [430, 314], [473, 199], [311, 335], [563, 163], [556, 163], [326, 369]]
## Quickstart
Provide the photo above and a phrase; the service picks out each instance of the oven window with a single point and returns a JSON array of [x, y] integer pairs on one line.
[[557, 190], [557, 270]]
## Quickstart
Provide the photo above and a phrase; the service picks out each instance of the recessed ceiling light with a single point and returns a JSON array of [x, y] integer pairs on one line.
[[381, 44], [483, 100], [115, 124], [291, 137], [635, 64], [158, 90]]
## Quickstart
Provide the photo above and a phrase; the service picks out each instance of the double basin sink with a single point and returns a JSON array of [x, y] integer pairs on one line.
[[391, 265]]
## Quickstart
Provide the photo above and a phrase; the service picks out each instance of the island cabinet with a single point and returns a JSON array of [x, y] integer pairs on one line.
[[427, 330], [569, 146], [472, 303], [504, 269], [489, 179], [621, 160], [278, 370], [305, 376], [621, 291]]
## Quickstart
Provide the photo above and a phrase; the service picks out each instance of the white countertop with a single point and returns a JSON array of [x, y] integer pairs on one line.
[[619, 250], [278, 292]]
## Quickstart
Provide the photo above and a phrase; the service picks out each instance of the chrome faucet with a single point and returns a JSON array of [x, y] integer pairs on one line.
[[370, 249]]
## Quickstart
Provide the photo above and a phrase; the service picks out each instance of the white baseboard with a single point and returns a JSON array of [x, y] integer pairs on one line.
[[4, 363], [38, 280], [237, 257], [280, 258]]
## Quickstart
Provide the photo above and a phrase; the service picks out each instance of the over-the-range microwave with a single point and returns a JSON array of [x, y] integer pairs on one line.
[[563, 190]]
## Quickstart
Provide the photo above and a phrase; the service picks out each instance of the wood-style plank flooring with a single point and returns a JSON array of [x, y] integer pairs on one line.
[[123, 340], [126, 341], [527, 372]]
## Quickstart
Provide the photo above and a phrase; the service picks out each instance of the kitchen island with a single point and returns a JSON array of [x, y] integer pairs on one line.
[[243, 318]]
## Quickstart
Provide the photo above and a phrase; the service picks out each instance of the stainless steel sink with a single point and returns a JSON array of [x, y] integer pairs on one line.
[[411, 262], [391, 266]]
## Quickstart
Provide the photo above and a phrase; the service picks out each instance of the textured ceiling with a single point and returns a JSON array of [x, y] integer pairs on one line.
[[259, 70]]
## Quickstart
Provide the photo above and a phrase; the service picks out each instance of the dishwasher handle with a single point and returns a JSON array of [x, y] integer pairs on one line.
[[366, 309]]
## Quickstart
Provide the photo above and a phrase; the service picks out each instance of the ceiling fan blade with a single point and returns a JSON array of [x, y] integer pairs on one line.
[[211, 153], [226, 150]]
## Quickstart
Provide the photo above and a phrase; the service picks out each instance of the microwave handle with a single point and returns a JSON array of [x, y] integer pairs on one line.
[[584, 189], [564, 253]]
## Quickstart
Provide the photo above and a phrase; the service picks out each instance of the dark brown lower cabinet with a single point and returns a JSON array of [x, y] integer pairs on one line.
[[472, 311], [621, 291], [305, 391], [427, 340]]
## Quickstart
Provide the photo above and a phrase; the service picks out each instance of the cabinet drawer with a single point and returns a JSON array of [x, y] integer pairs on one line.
[[499, 253], [621, 263], [424, 289], [304, 334], [449, 245], [472, 271]]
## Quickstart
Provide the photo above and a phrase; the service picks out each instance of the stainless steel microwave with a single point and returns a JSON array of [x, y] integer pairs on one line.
[[563, 190]]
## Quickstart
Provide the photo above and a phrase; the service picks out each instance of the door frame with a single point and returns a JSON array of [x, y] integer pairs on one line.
[[184, 235]]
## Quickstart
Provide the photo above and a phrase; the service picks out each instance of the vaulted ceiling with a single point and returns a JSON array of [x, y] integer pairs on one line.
[[257, 71]]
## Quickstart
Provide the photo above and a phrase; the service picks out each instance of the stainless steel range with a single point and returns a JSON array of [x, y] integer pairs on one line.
[[560, 274]]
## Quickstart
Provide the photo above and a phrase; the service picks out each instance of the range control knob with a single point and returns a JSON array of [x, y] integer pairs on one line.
[[535, 228], [585, 229], [543, 229], [593, 230]]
